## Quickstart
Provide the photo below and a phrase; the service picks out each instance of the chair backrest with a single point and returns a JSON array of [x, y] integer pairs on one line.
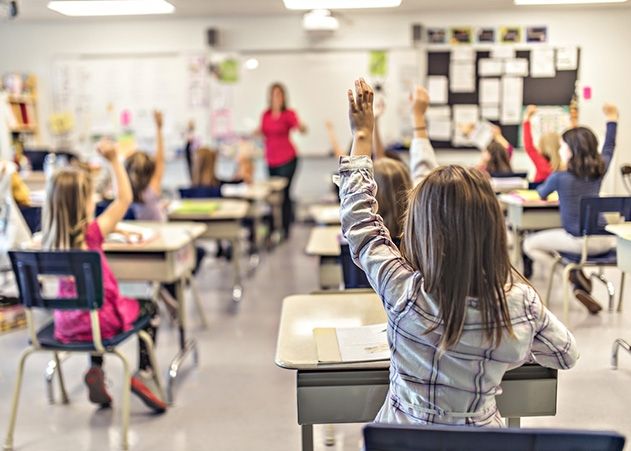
[[593, 211], [379, 437], [103, 204], [83, 267], [509, 175], [32, 216], [354, 276], [200, 192]]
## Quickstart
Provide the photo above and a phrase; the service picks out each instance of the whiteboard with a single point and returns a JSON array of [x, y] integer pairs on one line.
[[97, 89], [316, 85]]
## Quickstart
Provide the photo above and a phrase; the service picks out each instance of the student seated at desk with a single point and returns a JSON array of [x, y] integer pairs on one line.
[[19, 190], [69, 223], [545, 158], [586, 169], [495, 158], [458, 315], [205, 168]]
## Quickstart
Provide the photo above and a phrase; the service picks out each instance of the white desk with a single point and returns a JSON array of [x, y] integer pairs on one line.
[[325, 214], [168, 258], [354, 392], [623, 244], [324, 244], [224, 223], [529, 216]]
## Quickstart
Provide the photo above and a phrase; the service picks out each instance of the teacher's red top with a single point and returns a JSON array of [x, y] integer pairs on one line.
[[279, 149]]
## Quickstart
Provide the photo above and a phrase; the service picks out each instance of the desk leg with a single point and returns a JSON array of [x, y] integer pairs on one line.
[[307, 437], [237, 288], [186, 346], [517, 235], [513, 422], [254, 255]]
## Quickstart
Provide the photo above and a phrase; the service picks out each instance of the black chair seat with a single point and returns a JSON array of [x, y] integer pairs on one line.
[[46, 337], [609, 258]]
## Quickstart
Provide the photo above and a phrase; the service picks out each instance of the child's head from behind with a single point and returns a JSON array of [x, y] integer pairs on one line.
[[204, 167], [496, 159], [140, 168], [455, 236], [393, 186], [581, 148], [549, 145], [68, 209]]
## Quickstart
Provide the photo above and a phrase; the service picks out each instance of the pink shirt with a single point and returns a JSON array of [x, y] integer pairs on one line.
[[279, 149], [115, 316]]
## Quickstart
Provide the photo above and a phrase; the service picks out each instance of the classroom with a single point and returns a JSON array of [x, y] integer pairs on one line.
[[380, 225]]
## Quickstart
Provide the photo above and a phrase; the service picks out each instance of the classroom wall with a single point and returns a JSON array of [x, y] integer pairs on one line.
[[603, 35]]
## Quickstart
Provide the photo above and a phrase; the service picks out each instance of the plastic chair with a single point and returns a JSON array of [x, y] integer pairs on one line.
[[593, 223], [102, 205], [381, 437], [200, 192], [33, 268]]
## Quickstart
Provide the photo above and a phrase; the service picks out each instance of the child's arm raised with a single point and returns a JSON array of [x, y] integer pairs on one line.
[[422, 156], [611, 114], [156, 180], [118, 208], [330, 132], [369, 240]]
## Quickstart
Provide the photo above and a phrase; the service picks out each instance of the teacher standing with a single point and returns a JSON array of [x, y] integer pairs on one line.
[[277, 123]]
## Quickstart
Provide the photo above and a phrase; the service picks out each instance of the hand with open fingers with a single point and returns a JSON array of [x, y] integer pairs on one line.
[[419, 100], [611, 112], [360, 109], [108, 149], [157, 117], [530, 111]]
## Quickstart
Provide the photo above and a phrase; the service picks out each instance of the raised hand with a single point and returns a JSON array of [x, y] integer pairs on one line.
[[107, 149], [361, 117], [530, 111], [157, 118], [611, 112], [419, 100]]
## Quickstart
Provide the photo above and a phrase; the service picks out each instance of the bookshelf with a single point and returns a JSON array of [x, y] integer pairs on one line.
[[22, 91]]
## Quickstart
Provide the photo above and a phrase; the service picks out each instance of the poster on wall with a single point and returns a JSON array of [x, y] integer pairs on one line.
[[510, 35], [567, 58], [461, 35], [437, 35], [537, 34], [378, 63], [486, 35]]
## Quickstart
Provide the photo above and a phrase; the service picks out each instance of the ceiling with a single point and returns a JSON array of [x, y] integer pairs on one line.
[[36, 9]]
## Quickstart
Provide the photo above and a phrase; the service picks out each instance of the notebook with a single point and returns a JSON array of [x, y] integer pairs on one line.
[[352, 344], [194, 207]]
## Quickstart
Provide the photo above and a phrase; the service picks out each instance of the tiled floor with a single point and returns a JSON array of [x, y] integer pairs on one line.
[[237, 399]]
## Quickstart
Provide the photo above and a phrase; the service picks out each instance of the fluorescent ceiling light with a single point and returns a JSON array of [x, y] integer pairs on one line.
[[564, 2], [111, 7], [340, 4]]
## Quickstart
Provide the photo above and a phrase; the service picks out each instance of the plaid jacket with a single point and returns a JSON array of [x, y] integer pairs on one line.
[[459, 386]]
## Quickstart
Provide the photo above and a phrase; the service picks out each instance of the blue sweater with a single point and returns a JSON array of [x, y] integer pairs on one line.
[[571, 188]]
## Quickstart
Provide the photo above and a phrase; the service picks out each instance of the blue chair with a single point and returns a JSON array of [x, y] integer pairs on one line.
[[33, 217], [33, 272], [592, 221], [509, 175], [102, 205], [381, 437], [200, 192]]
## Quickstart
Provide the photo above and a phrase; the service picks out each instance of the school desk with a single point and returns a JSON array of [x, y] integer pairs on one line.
[[324, 243], [325, 214], [167, 258], [354, 392], [623, 244], [528, 215], [35, 180], [223, 222]]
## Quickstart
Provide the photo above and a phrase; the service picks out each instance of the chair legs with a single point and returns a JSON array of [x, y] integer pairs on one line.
[[566, 291], [144, 336], [125, 401], [621, 291], [54, 368], [8, 442], [611, 291], [197, 300], [556, 263], [619, 343]]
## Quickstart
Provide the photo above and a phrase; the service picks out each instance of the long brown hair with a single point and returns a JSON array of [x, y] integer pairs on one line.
[[281, 88], [140, 168], [65, 215], [393, 186], [585, 162], [455, 236], [500, 161], [204, 167], [549, 145]]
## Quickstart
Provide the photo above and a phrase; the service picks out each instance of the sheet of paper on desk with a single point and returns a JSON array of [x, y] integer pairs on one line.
[[363, 344], [488, 67], [516, 67], [542, 63], [532, 195], [567, 58], [130, 234], [512, 100], [462, 76], [437, 87], [489, 91]]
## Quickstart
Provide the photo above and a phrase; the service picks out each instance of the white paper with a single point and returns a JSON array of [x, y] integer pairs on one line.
[[567, 58], [490, 112], [517, 67], [438, 89], [542, 63], [439, 129], [462, 77], [549, 119], [503, 52], [490, 91], [488, 67], [361, 344], [463, 53], [464, 115], [512, 100], [439, 112]]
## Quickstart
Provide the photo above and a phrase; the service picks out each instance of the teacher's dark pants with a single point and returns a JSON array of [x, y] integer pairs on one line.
[[287, 171]]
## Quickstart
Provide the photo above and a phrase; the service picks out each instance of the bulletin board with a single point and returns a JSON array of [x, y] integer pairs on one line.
[[552, 91]]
